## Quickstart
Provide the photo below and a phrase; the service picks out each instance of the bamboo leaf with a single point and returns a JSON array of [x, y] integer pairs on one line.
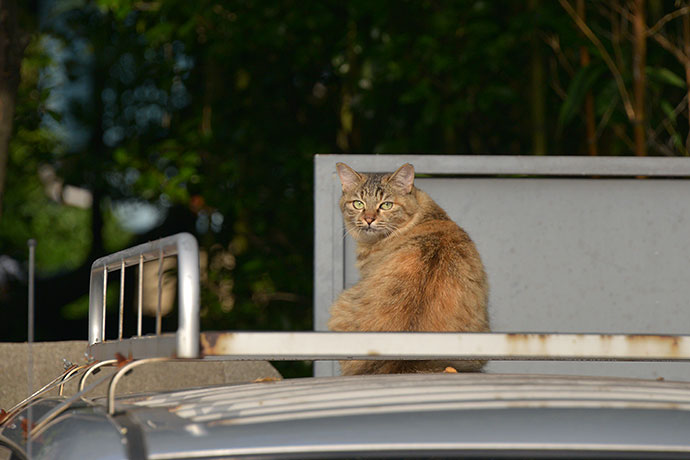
[[664, 75], [668, 111], [582, 82]]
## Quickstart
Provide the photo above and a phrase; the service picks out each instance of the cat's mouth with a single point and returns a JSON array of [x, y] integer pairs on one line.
[[370, 229], [373, 231]]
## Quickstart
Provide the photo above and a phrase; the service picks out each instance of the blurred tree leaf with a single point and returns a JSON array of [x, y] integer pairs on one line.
[[583, 81], [665, 76]]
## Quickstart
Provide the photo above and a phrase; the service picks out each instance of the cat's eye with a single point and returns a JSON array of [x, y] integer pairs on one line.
[[358, 204], [386, 205]]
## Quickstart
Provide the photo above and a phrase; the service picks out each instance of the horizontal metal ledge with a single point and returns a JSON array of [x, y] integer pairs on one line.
[[285, 346], [279, 346], [149, 346], [493, 165]]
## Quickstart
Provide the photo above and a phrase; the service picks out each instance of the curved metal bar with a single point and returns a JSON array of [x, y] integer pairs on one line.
[[51, 415], [123, 370], [16, 449], [47, 387], [67, 376], [91, 370]]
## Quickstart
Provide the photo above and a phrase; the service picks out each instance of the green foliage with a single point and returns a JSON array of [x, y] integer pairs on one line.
[[61, 232], [211, 112], [665, 76], [582, 83]]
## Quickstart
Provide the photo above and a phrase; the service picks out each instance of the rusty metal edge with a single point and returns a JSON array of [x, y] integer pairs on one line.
[[283, 346], [164, 345], [278, 346]]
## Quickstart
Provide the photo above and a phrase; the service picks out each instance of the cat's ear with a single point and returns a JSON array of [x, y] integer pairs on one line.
[[403, 178], [348, 176]]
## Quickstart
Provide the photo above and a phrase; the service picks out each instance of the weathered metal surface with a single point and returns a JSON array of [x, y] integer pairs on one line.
[[306, 398], [164, 345], [276, 346], [474, 165], [408, 413], [429, 415]]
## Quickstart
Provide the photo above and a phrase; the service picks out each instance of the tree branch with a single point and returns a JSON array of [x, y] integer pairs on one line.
[[669, 17], [584, 28], [671, 48], [13, 42]]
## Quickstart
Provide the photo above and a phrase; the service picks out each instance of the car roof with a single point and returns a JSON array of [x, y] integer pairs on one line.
[[422, 414]]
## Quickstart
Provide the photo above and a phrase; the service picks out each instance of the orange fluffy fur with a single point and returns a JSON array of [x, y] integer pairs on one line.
[[419, 270]]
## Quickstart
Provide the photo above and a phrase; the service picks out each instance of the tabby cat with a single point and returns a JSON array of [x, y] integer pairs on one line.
[[419, 270]]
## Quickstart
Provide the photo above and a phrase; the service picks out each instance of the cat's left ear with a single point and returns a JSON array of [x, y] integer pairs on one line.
[[403, 178]]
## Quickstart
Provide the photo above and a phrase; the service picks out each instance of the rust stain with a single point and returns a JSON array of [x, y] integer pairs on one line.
[[516, 339], [209, 339], [519, 337], [656, 346], [204, 344], [212, 343], [373, 353], [521, 343], [668, 342], [122, 361], [25, 427]]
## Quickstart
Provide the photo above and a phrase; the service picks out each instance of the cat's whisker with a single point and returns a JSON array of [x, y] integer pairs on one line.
[[354, 232], [391, 230]]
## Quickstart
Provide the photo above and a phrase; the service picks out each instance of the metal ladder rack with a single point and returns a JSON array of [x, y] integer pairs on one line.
[[184, 343]]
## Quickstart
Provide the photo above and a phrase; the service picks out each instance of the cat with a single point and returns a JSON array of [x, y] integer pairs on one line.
[[419, 271]]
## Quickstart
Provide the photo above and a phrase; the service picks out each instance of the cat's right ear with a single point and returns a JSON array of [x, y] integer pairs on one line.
[[349, 178]]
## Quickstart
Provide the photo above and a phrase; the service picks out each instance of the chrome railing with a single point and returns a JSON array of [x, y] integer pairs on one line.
[[185, 343]]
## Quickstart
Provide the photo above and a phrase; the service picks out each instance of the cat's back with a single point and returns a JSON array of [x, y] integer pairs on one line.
[[427, 278], [433, 243]]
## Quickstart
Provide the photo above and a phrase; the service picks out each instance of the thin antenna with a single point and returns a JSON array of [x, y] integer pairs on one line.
[[32, 258], [160, 291], [30, 334], [122, 300], [141, 293]]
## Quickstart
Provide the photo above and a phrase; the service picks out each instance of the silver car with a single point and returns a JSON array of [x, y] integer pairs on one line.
[[444, 415], [392, 416]]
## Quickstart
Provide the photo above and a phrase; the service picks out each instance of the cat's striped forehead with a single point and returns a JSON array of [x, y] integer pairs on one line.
[[374, 186]]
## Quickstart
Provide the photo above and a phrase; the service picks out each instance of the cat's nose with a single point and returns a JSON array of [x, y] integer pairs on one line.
[[369, 219]]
